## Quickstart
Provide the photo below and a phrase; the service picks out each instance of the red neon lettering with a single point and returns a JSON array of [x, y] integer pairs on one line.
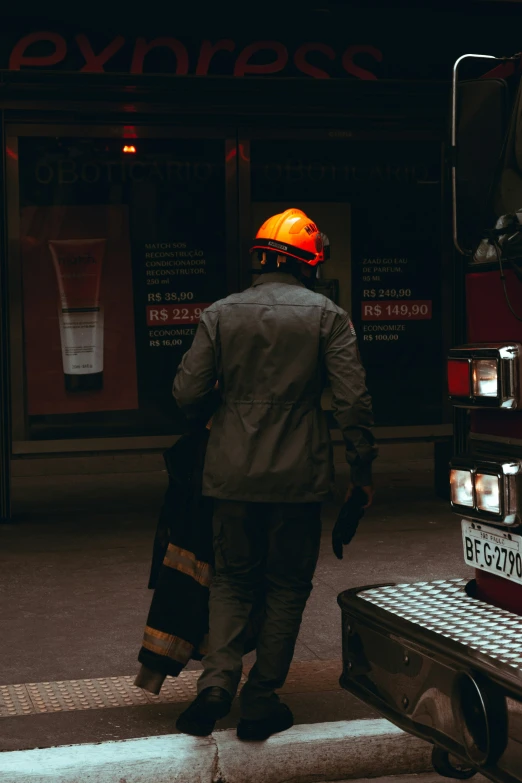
[[19, 58], [242, 63], [207, 52], [142, 48], [303, 64], [350, 67], [94, 62]]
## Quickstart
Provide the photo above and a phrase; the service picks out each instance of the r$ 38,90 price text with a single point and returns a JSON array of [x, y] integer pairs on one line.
[[170, 296]]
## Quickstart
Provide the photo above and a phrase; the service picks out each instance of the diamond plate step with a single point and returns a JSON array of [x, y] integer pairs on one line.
[[444, 607]]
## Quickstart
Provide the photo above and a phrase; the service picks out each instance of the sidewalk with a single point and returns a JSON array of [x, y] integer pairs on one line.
[[73, 576], [327, 751]]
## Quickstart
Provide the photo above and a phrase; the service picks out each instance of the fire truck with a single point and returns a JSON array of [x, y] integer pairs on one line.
[[443, 659]]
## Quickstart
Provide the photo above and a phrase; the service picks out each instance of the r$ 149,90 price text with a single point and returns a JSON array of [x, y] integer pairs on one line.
[[397, 310]]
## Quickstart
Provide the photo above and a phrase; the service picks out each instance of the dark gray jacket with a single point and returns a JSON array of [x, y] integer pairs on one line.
[[271, 348]]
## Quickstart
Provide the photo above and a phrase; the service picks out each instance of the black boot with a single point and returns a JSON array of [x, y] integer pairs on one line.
[[256, 730], [209, 706]]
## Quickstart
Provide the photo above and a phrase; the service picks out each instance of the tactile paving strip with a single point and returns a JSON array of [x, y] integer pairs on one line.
[[444, 607], [44, 697], [38, 697]]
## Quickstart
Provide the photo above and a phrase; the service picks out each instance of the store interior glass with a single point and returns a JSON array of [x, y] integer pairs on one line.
[[117, 245], [379, 203], [122, 243]]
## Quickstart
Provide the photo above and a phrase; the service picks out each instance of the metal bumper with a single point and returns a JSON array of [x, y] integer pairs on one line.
[[442, 665]]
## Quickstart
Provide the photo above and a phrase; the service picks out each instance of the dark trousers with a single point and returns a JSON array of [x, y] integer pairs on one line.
[[260, 548]]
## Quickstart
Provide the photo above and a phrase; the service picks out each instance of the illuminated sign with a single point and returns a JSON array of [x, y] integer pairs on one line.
[[49, 49]]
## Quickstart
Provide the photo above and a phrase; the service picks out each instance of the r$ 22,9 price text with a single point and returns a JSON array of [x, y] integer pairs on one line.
[[186, 315]]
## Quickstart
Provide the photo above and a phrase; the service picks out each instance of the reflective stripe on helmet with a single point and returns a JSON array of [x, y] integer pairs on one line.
[[288, 250]]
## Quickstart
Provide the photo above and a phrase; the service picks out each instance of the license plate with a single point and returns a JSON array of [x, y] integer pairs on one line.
[[492, 550]]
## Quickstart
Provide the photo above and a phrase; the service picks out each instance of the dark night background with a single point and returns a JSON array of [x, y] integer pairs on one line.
[[417, 39]]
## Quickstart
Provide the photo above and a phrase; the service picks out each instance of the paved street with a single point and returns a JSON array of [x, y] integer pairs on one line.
[[74, 570]]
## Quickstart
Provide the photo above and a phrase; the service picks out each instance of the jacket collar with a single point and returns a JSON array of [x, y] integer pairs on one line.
[[278, 277]]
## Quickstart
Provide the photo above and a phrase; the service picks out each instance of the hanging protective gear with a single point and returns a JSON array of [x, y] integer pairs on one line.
[[293, 234]]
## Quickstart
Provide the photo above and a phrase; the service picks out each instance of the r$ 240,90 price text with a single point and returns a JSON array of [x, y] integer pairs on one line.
[[386, 293]]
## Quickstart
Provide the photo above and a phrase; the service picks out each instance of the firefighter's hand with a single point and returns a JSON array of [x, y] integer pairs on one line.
[[368, 491], [348, 520]]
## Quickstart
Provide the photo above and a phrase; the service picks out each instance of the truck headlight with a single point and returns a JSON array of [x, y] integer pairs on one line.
[[487, 491], [461, 487], [486, 375]]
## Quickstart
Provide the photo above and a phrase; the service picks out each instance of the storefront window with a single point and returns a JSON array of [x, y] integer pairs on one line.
[[122, 245], [380, 205]]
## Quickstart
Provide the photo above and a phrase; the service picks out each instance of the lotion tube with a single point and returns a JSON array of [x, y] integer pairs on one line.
[[78, 267]]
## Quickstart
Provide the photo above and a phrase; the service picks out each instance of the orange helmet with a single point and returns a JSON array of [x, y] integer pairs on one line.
[[293, 234]]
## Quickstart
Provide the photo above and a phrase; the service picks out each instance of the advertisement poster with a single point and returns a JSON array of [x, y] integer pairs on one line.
[[396, 313], [78, 309], [178, 278]]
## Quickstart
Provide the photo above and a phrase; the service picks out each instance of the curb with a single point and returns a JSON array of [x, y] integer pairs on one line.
[[319, 751]]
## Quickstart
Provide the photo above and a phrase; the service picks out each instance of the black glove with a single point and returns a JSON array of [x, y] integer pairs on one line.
[[348, 521]]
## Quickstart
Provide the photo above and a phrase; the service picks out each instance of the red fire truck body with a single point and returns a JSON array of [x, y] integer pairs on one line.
[[443, 659]]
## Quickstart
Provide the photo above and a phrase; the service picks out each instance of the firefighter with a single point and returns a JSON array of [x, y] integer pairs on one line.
[[269, 462]]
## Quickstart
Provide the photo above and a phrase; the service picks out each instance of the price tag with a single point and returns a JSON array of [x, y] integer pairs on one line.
[[397, 310], [183, 315]]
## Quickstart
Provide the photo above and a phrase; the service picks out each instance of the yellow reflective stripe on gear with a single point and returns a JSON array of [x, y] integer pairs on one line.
[[167, 645], [185, 561]]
